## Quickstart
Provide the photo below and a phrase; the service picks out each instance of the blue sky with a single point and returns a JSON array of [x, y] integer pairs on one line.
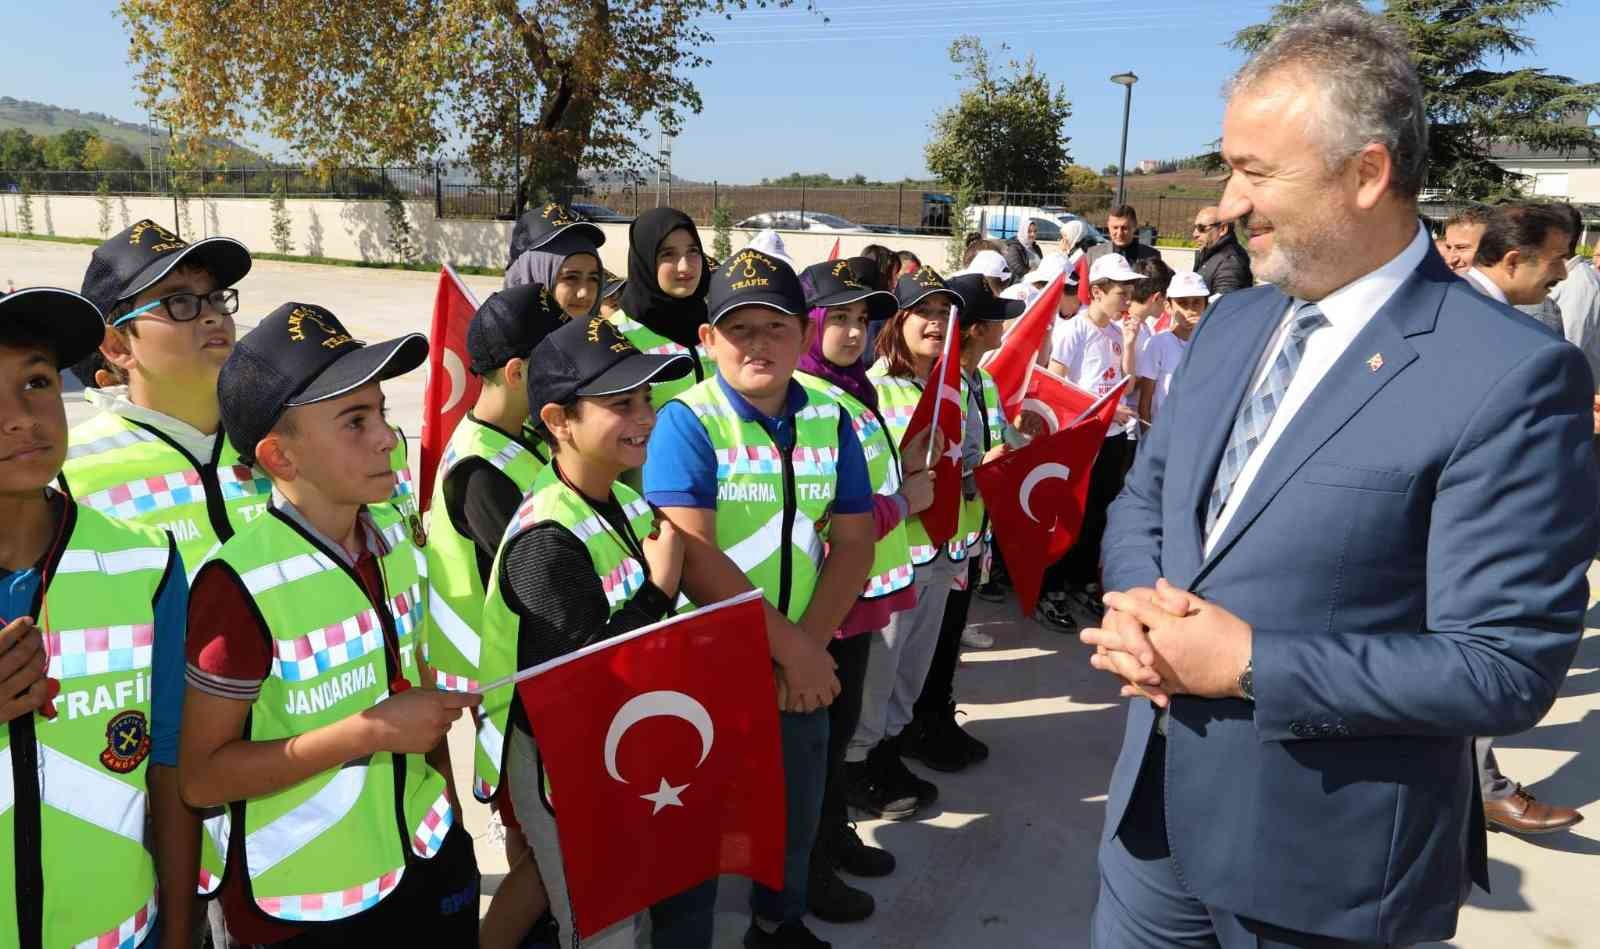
[[787, 92]]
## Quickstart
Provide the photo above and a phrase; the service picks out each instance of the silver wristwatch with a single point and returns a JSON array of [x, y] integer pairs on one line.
[[1247, 680]]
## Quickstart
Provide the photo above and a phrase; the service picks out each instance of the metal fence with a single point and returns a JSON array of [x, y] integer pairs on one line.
[[896, 209]]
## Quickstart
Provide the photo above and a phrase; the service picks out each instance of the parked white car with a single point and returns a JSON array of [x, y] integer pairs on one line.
[[1005, 221], [801, 221]]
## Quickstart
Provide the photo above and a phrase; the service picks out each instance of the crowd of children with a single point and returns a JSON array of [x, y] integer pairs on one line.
[[230, 649]]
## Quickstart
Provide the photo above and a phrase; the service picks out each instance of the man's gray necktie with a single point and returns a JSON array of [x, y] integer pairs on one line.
[[1256, 414]]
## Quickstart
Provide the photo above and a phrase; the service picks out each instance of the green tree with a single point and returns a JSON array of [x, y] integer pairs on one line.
[[399, 81], [25, 208], [19, 151], [1470, 106], [65, 152], [282, 227], [722, 230], [102, 198], [402, 238], [1109, 169], [1081, 180], [1005, 132], [960, 228]]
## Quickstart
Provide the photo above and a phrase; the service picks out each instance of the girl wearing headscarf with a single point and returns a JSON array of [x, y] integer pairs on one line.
[[555, 247], [842, 307], [664, 300]]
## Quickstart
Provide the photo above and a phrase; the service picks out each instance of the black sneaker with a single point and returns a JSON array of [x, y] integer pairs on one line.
[[936, 743], [893, 773], [789, 936], [832, 900], [1052, 614], [1086, 605], [866, 794], [858, 858]]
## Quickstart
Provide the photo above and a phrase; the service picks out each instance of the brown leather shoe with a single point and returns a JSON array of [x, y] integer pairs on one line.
[[1521, 813]]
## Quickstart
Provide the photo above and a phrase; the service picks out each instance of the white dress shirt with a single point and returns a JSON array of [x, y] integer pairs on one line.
[[1348, 310], [1480, 282]]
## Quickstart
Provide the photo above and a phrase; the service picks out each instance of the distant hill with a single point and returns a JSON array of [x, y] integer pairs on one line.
[[41, 119]]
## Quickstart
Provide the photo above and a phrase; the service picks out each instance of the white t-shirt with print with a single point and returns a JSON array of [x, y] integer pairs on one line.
[[1092, 355]]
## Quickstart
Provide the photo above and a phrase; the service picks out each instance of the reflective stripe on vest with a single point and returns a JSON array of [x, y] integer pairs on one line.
[[451, 644], [891, 556], [324, 849], [897, 402], [647, 340], [621, 574], [89, 762], [755, 495]]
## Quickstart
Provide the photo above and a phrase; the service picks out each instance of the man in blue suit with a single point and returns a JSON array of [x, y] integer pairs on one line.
[[1356, 538]]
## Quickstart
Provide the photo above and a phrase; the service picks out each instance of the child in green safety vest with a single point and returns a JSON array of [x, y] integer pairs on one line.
[[878, 782], [842, 310], [584, 559], [760, 472], [488, 466], [934, 737], [311, 722], [663, 301], [156, 452], [92, 615]]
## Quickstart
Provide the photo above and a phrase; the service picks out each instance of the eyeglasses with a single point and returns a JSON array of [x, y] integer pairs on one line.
[[183, 307], [1203, 227]]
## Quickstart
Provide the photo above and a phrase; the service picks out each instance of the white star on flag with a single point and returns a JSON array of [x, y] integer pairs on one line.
[[665, 796]]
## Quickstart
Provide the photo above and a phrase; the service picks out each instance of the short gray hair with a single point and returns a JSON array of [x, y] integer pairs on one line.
[[1368, 84]]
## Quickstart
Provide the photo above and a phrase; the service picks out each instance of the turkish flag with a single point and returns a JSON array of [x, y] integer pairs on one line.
[[1013, 363], [940, 409], [1035, 495], [450, 389], [834, 254], [1163, 322], [664, 759], [1055, 401]]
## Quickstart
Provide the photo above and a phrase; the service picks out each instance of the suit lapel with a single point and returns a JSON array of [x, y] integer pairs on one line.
[[1351, 382]]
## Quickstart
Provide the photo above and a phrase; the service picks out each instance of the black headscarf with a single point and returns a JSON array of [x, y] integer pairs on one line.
[[642, 297]]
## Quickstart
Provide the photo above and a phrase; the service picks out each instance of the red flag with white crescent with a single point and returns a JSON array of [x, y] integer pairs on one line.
[[451, 389], [664, 759], [1036, 495], [1013, 363], [941, 409], [1054, 401]]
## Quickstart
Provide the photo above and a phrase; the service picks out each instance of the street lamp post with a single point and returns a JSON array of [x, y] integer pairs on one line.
[[1126, 81]]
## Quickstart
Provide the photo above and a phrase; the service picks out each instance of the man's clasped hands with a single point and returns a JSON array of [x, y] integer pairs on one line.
[[1165, 641]]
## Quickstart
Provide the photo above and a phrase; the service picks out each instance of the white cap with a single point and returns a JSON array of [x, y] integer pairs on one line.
[[990, 264], [1017, 291], [1051, 266], [770, 242], [1112, 267], [1187, 283]]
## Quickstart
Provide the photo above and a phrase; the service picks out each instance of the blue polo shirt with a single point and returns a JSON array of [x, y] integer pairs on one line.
[[681, 467], [17, 592]]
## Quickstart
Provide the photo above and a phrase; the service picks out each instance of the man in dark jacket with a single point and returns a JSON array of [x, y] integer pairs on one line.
[[1121, 226], [1220, 262]]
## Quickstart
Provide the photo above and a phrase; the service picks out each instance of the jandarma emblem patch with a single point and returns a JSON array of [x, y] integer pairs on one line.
[[127, 742]]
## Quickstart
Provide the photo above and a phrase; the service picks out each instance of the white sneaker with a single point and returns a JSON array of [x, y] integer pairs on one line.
[[975, 638]]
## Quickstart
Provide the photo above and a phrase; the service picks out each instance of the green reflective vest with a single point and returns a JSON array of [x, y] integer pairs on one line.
[[82, 847], [335, 844], [647, 340], [897, 401], [891, 558], [974, 517], [450, 640], [621, 575], [133, 472], [772, 503]]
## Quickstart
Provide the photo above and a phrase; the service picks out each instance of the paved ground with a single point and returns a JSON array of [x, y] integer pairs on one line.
[[1007, 859]]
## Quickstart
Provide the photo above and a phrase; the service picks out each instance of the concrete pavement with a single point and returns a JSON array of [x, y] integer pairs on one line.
[[1007, 856]]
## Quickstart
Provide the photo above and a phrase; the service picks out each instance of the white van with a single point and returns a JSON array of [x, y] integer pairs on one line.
[[1005, 221]]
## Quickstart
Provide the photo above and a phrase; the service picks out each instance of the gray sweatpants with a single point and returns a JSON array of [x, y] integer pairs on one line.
[[539, 825], [899, 660]]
